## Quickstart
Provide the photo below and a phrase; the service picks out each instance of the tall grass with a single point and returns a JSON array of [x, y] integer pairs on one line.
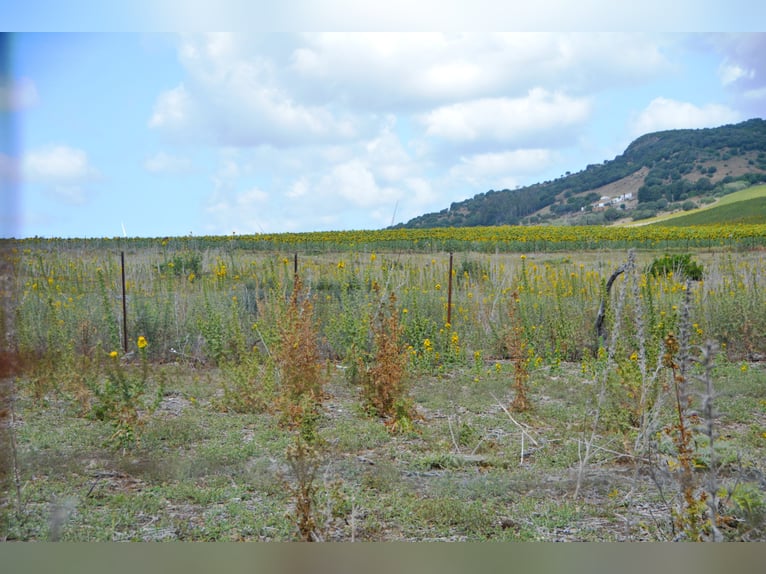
[[68, 302]]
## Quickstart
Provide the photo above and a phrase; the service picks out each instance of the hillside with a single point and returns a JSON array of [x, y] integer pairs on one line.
[[659, 172], [747, 210]]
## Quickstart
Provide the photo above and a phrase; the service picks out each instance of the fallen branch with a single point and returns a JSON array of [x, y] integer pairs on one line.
[[601, 334]]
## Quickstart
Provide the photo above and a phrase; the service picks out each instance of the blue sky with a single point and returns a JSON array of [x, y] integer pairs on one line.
[[160, 134]]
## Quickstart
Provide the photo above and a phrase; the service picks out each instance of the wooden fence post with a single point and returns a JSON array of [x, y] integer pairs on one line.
[[124, 306], [449, 292]]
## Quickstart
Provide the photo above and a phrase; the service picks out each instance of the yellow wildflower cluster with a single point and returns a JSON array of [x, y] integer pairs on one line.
[[220, 270]]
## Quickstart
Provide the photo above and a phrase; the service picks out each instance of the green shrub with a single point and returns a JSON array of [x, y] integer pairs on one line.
[[182, 264], [679, 265]]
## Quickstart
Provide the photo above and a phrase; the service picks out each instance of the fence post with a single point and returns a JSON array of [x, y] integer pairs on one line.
[[449, 292], [124, 306]]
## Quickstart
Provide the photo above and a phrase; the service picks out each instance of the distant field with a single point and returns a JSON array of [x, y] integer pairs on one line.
[[744, 195], [750, 211], [721, 212]]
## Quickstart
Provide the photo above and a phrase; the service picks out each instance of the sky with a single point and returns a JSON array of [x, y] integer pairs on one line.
[[153, 134]]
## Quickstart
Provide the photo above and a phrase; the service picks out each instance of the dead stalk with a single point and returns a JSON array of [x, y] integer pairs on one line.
[[452, 435], [524, 432]]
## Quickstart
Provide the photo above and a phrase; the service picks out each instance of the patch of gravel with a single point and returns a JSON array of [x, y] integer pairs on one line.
[[172, 405]]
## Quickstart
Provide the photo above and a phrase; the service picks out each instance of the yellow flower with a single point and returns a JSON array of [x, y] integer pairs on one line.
[[743, 368], [113, 354], [634, 356], [142, 342], [341, 265]]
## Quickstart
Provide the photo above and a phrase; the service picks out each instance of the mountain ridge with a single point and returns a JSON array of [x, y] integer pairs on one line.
[[664, 171]]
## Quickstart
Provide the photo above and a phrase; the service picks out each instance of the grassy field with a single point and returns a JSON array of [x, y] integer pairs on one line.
[[464, 473], [747, 206], [744, 211], [377, 396]]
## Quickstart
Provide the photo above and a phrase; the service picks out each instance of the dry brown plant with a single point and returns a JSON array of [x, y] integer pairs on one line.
[[301, 379], [384, 388], [301, 374], [517, 350], [690, 520], [304, 461]]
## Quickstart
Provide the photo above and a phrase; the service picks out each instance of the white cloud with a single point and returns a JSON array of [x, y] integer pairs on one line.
[[730, 73], [162, 162], [420, 193], [413, 72], [355, 183], [72, 194], [666, 114], [234, 96], [18, 95], [60, 164], [499, 170], [361, 185], [298, 189], [522, 161], [252, 197], [385, 69], [338, 129], [504, 119], [175, 113], [387, 156], [288, 90], [742, 69], [63, 170]]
